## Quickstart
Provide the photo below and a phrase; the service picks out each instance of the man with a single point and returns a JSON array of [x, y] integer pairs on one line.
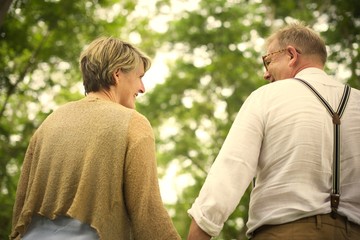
[[284, 137]]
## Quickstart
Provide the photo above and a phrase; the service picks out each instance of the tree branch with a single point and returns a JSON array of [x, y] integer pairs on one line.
[[12, 88]]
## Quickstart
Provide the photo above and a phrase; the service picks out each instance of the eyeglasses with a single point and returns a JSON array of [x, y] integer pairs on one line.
[[267, 62]]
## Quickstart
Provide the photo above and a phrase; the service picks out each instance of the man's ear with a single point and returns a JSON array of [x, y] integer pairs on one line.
[[292, 54]]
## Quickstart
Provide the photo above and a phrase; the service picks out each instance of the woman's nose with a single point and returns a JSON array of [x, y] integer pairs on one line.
[[142, 88]]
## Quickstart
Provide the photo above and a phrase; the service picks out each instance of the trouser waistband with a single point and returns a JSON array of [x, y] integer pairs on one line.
[[339, 221]]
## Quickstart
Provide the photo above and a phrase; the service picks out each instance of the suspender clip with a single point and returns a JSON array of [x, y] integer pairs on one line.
[[334, 200]]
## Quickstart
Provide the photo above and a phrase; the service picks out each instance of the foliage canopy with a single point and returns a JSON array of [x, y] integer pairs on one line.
[[217, 65]]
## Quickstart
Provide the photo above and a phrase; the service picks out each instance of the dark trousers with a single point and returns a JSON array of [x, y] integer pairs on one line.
[[319, 227]]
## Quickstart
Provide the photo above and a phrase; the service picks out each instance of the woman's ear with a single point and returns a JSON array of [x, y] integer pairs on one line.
[[116, 75]]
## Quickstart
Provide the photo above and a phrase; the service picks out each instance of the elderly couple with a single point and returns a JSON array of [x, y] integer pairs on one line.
[[90, 168]]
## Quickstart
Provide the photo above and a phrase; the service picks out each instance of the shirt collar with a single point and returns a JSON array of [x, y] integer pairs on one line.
[[317, 75], [310, 70]]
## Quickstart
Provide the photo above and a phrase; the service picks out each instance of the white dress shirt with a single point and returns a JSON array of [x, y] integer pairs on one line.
[[283, 136]]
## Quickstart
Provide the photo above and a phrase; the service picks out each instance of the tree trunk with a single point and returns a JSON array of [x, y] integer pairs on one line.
[[4, 7]]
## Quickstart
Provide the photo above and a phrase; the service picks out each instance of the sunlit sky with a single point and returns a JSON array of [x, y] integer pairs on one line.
[[159, 23]]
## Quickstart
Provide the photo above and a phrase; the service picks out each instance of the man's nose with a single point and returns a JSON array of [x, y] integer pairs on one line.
[[267, 75]]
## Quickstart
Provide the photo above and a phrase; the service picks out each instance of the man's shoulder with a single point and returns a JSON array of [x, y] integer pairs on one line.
[[277, 85]]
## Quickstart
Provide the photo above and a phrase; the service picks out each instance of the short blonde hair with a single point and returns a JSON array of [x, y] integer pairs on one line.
[[106, 55], [303, 38]]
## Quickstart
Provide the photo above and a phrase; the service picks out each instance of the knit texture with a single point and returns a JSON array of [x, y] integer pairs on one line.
[[94, 160]]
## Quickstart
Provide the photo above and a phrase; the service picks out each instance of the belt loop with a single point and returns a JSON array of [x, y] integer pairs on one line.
[[318, 221]]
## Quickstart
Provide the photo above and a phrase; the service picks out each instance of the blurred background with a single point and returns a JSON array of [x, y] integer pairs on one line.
[[206, 61]]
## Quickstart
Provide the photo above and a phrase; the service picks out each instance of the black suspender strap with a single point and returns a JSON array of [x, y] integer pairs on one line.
[[336, 116]]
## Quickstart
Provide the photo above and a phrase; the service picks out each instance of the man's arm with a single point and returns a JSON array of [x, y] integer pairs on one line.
[[196, 233]]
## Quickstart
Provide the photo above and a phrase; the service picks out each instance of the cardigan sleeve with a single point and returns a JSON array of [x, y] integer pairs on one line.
[[18, 227], [148, 216]]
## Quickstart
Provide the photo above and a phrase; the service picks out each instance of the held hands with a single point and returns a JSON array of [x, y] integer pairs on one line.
[[196, 233]]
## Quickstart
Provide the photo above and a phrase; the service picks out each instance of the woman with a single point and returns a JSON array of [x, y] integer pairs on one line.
[[90, 168]]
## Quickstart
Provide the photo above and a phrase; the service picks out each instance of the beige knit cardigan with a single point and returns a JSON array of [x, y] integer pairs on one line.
[[94, 160]]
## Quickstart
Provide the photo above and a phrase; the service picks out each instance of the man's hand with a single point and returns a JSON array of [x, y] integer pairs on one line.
[[196, 233]]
